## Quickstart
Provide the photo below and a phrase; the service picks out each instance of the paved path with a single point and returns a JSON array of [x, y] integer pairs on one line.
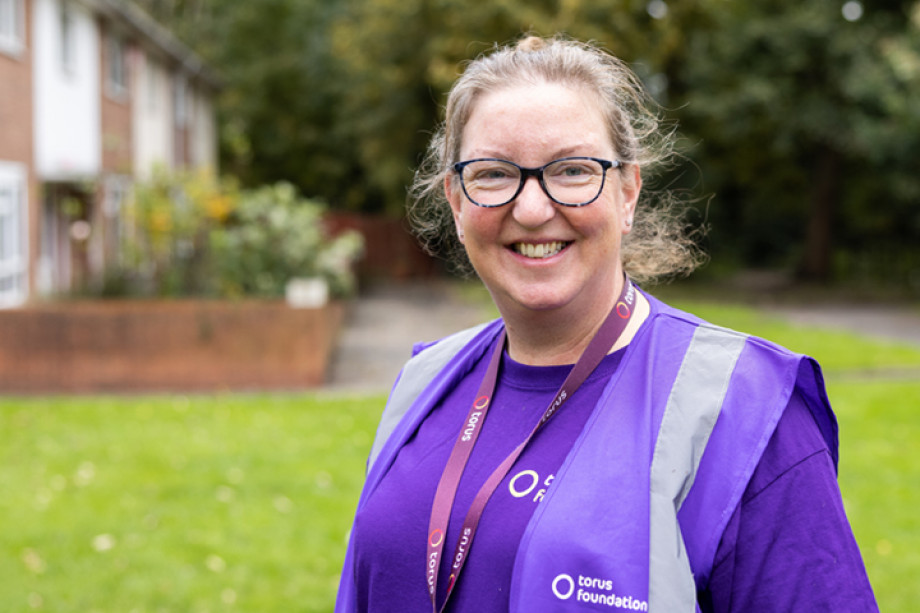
[[893, 323], [383, 323]]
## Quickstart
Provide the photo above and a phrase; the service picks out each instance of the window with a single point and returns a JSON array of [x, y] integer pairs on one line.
[[68, 39], [117, 76], [180, 101], [12, 234], [11, 26], [153, 85]]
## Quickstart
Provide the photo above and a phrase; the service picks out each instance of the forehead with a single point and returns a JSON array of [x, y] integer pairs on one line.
[[536, 119]]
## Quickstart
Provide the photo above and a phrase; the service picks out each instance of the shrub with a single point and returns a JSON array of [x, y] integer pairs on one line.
[[197, 235], [275, 235]]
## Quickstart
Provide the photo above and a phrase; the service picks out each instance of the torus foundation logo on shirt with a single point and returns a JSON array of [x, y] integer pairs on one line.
[[525, 482], [594, 591]]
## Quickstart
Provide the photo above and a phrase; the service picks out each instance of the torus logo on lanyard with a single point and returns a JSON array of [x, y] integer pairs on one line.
[[600, 345]]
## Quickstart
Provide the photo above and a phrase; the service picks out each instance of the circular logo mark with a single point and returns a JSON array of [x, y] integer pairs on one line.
[[436, 537], [481, 402], [622, 310], [512, 486], [563, 578]]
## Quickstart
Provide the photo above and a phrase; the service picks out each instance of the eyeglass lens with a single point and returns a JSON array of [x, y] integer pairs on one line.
[[569, 181]]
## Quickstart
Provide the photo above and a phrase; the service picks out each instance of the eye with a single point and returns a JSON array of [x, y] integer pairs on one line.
[[574, 170], [490, 172], [569, 170], [494, 172]]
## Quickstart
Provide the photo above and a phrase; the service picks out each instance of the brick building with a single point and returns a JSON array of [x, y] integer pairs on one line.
[[93, 95]]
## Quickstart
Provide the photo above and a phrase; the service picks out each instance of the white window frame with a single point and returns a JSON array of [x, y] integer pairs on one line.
[[154, 84], [67, 37], [12, 26], [14, 249], [180, 101], [117, 66]]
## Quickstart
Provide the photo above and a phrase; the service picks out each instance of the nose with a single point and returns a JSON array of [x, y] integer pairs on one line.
[[532, 208]]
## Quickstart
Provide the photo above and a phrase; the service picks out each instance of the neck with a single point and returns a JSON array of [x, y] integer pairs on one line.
[[557, 337]]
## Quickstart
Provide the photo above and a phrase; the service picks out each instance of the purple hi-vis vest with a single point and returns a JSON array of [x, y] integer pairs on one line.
[[636, 512]]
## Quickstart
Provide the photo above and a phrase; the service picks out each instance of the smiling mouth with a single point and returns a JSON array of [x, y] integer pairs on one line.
[[539, 251]]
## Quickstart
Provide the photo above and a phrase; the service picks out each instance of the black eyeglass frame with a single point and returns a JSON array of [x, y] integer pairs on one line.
[[526, 173]]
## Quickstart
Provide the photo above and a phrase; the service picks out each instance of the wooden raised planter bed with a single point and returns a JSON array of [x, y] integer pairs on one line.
[[165, 345]]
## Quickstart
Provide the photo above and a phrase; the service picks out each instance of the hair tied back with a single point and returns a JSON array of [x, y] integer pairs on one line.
[[531, 43]]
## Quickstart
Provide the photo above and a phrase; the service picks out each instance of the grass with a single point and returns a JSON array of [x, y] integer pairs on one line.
[[243, 502], [879, 473], [203, 503]]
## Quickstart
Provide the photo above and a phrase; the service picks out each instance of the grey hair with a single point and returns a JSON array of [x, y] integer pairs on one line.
[[658, 245]]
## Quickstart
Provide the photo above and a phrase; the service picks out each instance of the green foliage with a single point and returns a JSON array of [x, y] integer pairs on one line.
[[801, 123], [274, 235], [165, 246], [193, 235]]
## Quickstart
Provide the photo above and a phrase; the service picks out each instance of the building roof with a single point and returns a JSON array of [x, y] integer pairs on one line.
[[150, 31]]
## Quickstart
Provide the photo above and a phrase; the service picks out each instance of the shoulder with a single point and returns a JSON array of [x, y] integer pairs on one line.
[[457, 340], [788, 545], [433, 368], [665, 315]]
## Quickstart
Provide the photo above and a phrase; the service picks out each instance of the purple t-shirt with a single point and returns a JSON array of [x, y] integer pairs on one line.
[[390, 531]]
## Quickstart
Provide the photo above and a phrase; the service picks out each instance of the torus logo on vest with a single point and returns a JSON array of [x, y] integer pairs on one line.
[[591, 590], [525, 482]]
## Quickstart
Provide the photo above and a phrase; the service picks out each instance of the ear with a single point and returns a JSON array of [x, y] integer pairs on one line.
[[630, 187], [455, 198]]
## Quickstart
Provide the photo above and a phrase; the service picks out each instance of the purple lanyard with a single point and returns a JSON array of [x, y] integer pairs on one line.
[[599, 346]]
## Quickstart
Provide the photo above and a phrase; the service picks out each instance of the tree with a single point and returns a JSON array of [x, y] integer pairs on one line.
[[797, 111], [797, 118]]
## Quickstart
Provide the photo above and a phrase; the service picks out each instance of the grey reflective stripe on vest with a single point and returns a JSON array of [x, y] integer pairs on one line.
[[417, 373], [689, 417]]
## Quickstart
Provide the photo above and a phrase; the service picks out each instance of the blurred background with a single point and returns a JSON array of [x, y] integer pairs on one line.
[[799, 121], [799, 133]]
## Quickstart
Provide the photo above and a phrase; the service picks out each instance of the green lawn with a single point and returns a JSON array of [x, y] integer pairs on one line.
[[243, 502], [202, 503]]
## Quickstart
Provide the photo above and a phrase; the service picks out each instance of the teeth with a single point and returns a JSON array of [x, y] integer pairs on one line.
[[539, 251]]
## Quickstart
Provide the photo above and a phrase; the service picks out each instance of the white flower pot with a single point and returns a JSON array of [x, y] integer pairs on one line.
[[307, 292]]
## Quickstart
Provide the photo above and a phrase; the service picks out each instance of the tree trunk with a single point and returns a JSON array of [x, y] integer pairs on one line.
[[815, 264]]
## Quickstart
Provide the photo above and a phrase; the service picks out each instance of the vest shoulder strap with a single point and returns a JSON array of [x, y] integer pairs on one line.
[[417, 373]]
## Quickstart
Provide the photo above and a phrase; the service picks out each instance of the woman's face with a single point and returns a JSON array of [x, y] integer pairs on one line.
[[533, 254]]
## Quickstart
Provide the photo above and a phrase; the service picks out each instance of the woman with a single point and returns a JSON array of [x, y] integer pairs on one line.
[[693, 468]]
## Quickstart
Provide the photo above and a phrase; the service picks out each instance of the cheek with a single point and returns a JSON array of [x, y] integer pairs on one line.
[[594, 221], [480, 223]]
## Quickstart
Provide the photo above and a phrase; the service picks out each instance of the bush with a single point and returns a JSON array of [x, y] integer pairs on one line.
[[196, 235], [275, 235]]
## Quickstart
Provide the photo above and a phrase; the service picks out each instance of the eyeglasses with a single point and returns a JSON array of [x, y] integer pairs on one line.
[[571, 181]]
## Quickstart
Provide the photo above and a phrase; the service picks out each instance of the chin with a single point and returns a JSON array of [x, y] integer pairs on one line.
[[535, 300]]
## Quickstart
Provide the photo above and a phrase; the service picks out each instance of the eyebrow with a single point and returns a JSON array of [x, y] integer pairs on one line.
[[568, 151]]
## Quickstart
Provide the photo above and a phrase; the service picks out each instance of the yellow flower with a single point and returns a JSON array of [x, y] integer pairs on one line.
[[218, 207], [160, 221]]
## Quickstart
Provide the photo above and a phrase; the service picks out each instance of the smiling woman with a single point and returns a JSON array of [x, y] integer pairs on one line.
[[645, 426], [659, 245]]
